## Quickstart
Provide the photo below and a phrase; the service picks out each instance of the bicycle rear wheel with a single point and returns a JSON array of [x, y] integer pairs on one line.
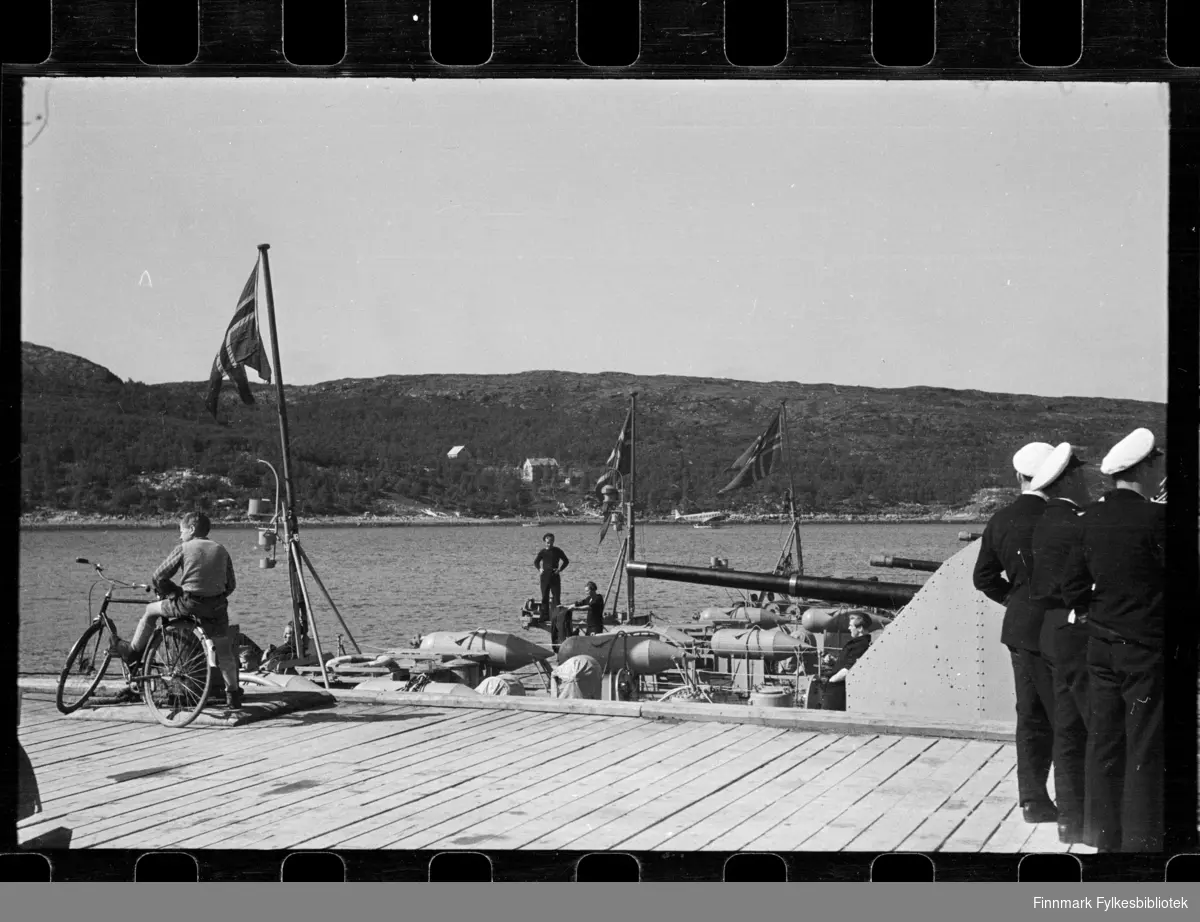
[[176, 677], [86, 664]]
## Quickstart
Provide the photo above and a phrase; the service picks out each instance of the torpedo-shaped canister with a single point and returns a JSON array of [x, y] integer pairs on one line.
[[508, 651], [757, 643], [639, 652]]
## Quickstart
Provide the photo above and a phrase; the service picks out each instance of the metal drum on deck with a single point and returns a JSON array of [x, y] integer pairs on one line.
[[772, 698]]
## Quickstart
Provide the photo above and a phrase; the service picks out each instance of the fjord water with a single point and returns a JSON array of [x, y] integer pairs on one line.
[[392, 583]]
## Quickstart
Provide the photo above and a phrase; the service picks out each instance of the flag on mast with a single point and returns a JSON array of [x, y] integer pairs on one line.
[[757, 461], [618, 463], [242, 346]]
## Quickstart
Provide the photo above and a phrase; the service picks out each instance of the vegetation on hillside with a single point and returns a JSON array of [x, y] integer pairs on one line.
[[94, 444]]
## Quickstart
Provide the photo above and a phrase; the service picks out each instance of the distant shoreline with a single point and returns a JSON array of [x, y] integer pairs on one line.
[[76, 521]]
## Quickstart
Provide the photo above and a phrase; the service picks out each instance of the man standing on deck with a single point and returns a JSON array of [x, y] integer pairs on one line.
[[1063, 636], [550, 562], [1116, 579], [1002, 573]]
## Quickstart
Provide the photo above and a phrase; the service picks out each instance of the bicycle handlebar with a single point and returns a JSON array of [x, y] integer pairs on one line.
[[112, 580]]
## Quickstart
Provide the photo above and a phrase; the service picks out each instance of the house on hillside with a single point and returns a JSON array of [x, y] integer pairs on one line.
[[539, 470], [458, 455]]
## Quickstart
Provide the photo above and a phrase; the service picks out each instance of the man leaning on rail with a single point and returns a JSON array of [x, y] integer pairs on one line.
[[206, 580], [1002, 573]]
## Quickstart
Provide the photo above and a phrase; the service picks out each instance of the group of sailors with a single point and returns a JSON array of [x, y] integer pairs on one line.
[[1083, 587]]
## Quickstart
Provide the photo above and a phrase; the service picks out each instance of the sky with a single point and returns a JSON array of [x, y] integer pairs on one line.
[[999, 236]]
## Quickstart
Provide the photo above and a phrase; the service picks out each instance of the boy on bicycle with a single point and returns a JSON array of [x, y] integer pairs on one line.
[[205, 583]]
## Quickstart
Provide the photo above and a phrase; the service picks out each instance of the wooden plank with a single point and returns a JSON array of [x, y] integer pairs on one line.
[[422, 824], [191, 818], [653, 770], [383, 817], [328, 809], [232, 767], [479, 783], [693, 827], [613, 801], [677, 812], [887, 793], [122, 804], [828, 798], [183, 747], [960, 761], [933, 832], [1043, 838], [985, 819], [221, 794], [793, 788], [1012, 833]]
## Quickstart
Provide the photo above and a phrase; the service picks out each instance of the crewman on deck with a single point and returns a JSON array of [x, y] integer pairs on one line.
[[1002, 573], [834, 695], [1116, 579], [550, 562], [593, 604], [1063, 638]]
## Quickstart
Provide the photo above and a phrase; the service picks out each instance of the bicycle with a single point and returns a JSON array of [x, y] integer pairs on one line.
[[173, 674]]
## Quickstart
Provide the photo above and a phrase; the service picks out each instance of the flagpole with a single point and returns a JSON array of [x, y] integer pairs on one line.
[[299, 622], [791, 490], [284, 439], [631, 499]]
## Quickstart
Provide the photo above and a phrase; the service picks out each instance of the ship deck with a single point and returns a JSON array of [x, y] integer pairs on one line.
[[408, 776]]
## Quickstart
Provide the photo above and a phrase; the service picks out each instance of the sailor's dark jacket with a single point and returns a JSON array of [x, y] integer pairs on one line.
[[1005, 565]]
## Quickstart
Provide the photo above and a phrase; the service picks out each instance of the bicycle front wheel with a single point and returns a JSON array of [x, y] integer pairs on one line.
[[86, 665], [176, 677]]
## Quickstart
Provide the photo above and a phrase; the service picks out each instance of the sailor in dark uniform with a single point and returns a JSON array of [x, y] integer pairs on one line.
[[1063, 639], [1116, 579], [1002, 573]]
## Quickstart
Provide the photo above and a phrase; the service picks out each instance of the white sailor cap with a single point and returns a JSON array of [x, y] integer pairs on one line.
[[1135, 447], [1057, 463], [1030, 458]]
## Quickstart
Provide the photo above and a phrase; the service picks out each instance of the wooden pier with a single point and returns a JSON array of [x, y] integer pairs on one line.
[[410, 776]]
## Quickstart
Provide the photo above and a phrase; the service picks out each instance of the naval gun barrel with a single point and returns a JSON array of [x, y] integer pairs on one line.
[[849, 591], [970, 535], [905, 563]]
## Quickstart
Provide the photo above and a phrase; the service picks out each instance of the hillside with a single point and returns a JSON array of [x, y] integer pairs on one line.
[[93, 443]]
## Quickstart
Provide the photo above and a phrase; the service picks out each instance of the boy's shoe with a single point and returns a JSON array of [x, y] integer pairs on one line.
[[127, 695]]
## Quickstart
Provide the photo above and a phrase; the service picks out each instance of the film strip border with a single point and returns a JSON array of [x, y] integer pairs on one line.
[[1035, 39], [1152, 40], [582, 867]]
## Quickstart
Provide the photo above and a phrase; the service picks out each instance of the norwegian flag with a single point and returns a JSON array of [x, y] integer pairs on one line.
[[619, 462], [243, 346], [757, 461]]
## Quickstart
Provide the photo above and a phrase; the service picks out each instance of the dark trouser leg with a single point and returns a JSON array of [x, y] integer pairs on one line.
[[1142, 804], [1035, 728], [1070, 727], [546, 580], [556, 588], [1105, 778]]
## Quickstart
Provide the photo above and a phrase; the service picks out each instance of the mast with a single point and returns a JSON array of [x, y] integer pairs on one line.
[[631, 498], [794, 534], [291, 528], [284, 439]]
